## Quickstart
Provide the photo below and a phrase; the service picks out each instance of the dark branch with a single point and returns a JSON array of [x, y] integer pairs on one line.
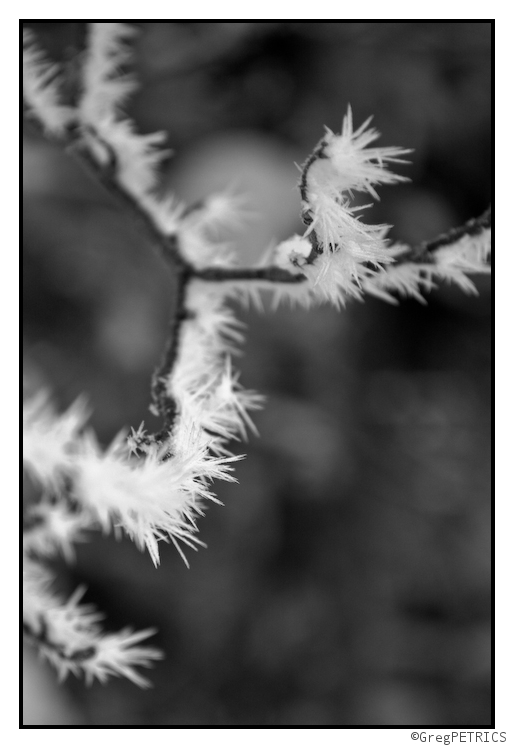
[[272, 273], [163, 404], [168, 245], [317, 153], [424, 252]]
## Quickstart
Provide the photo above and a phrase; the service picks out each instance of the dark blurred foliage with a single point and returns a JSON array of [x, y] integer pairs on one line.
[[347, 579]]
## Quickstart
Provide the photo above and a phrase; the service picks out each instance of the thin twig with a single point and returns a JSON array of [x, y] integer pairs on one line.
[[168, 245], [271, 273], [317, 153], [424, 252], [163, 403]]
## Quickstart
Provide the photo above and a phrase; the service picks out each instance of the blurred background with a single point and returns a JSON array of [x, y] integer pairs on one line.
[[347, 578]]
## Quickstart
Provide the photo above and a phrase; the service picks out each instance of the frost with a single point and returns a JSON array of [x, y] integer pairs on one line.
[[41, 88], [153, 487]]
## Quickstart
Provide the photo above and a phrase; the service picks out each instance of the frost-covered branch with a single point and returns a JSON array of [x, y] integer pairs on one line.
[[450, 257], [154, 487], [474, 227], [344, 258], [68, 635]]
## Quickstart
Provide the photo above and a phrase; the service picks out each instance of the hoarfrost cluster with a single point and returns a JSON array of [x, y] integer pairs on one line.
[[154, 486]]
